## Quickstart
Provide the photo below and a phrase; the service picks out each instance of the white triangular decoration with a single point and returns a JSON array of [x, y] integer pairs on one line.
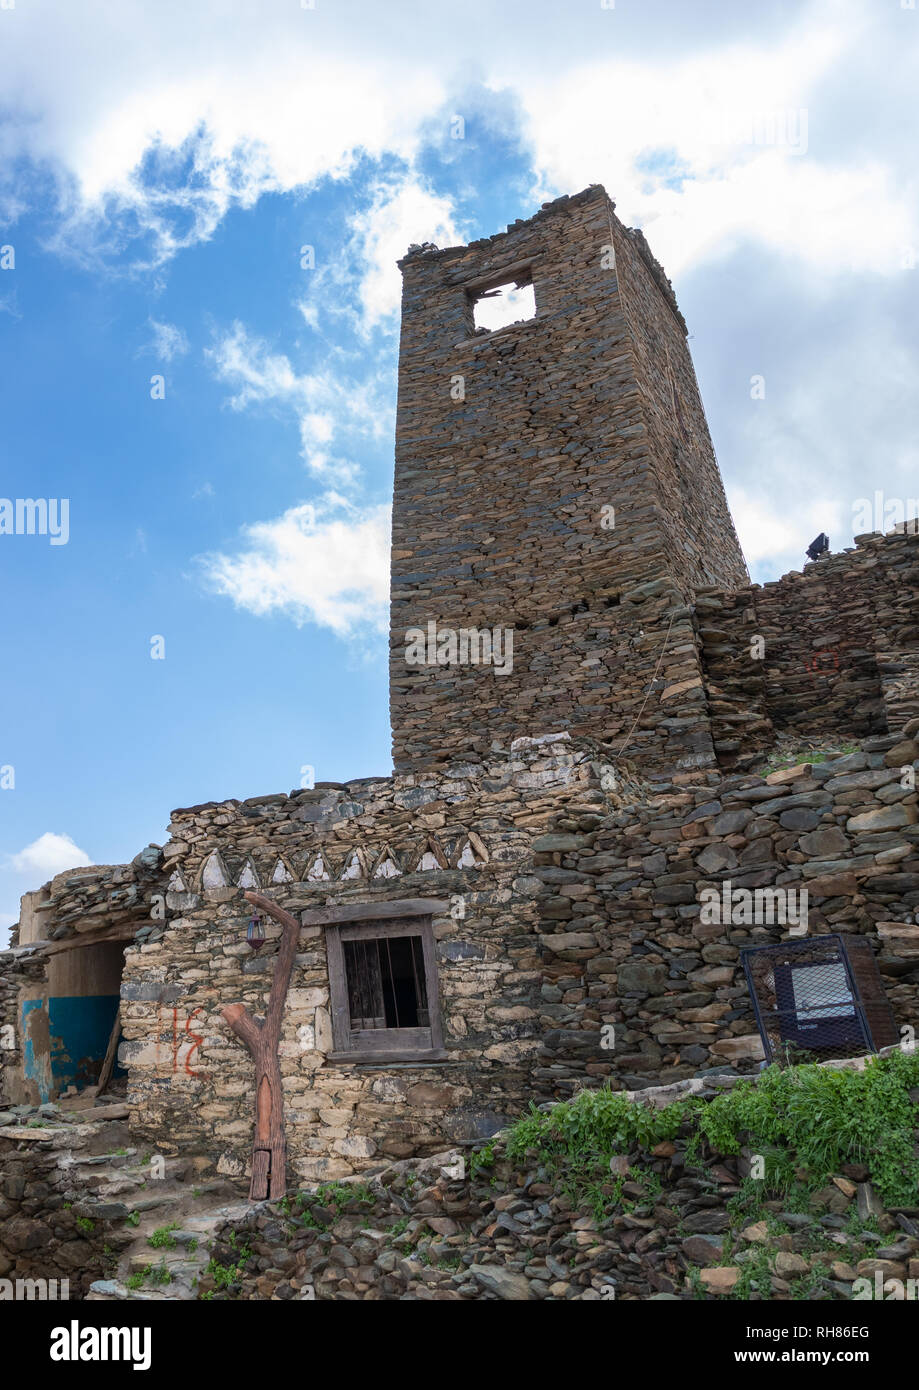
[[387, 868], [213, 875], [248, 877], [177, 883], [432, 856], [281, 873], [467, 859], [353, 868], [318, 872]]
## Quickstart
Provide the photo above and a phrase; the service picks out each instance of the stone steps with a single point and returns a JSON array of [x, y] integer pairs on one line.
[[196, 1222]]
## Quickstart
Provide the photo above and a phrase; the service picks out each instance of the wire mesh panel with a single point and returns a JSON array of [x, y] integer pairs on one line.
[[881, 1027], [817, 998]]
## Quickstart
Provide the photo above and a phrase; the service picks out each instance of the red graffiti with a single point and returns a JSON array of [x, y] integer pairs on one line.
[[826, 660], [195, 1041], [198, 1040]]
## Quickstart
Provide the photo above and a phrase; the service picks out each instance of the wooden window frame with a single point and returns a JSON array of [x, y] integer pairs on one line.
[[408, 917]]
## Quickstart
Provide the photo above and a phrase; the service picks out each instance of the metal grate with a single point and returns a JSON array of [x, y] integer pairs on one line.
[[818, 998], [386, 982]]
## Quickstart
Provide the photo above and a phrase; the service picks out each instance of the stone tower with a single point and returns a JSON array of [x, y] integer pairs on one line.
[[554, 480]]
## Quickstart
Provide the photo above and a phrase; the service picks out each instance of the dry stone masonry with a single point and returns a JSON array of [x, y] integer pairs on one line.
[[507, 1232], [836, 649], [537, 865], [554, 479]]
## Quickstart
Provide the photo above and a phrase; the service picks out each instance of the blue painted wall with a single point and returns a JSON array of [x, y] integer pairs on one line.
[[80, 1028]]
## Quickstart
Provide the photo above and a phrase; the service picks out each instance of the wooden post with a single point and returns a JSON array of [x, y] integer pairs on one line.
[[108, 1062], [269, 1149]]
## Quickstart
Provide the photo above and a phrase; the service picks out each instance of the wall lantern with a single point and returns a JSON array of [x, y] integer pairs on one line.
[[818, 998], [255, 933]]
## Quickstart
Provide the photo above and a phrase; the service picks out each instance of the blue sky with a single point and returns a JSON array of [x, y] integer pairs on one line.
[[161, 169]]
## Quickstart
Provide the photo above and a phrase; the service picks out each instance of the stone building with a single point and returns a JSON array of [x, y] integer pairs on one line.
[[555, 480], [516, 911]]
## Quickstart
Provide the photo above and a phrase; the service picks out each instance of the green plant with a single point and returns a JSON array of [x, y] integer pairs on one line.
[[594, 1121], [822, 1119], [338, 1194], [243, 1251], [225, 1276], [158, 1275], [747, 1203], [755, 1274], [132, 1218], [806, 1286], [85, 1225], [481, 1158], [782, 759], [162, 1238], [856, 1224], [308, 1220], [809, 1117], [575, 1140]]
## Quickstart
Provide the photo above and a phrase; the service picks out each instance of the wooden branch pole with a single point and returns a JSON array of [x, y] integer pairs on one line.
[[269, 1149], [108, 1061]]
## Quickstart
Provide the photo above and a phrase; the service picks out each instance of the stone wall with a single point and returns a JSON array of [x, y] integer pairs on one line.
[[700, 539], [543, 486], [554, 479], [53, 1225], [675, 1220], [463, 840], [66, 947], [839, 653], [582, 908], [622, 938], [568, 899], [10, 1041]]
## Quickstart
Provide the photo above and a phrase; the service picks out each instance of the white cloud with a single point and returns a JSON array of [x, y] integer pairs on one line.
[[771, 538], [363, 286], [400, 213], [325, 562], [168, 340], [170, 118], [318, 426], [310, 313], [50, 854], [327, 404], [726, 146], [174, 116], [509, 306]]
